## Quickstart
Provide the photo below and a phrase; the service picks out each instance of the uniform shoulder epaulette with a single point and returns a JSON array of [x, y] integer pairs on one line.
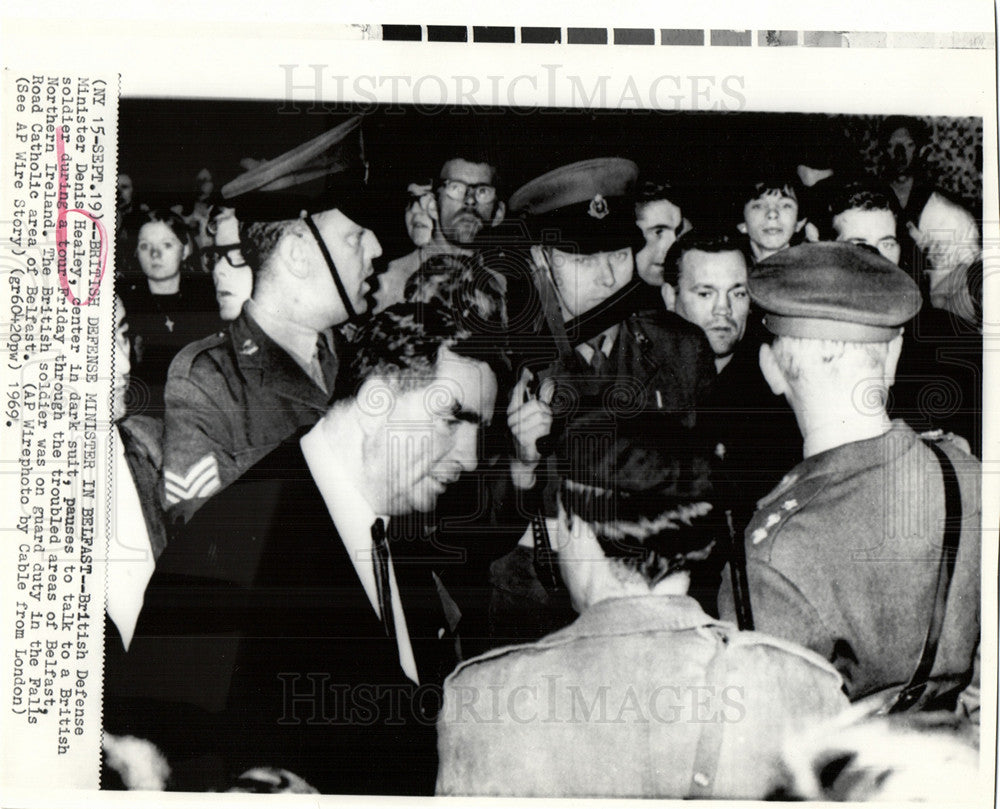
[[787, 499], [185, 358], [555, 640], [751, 639]]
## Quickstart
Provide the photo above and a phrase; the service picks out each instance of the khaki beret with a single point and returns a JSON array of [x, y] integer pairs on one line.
[[834, 291]]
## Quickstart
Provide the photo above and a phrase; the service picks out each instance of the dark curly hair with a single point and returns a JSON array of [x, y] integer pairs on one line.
[[644, 488]]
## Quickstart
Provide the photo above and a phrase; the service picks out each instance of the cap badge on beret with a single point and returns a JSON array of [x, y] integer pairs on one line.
[[598, 207]]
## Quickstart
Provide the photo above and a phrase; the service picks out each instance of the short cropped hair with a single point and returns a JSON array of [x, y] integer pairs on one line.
[[474, 155], [857, 196], [800, 357], [401, 345], [644, 488], [651, 191], [259, 240], [706, 242]]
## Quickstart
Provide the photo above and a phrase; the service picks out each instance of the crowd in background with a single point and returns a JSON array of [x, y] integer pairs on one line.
[[715, 404]]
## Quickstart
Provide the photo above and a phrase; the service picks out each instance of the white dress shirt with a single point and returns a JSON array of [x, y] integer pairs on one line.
[[353, 518]]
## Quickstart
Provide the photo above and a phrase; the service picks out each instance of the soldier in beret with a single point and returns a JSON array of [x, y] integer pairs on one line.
[[234, 396], [599, 351], [852, 555], [685, 705]]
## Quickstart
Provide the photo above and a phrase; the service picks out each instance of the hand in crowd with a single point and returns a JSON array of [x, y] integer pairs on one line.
[[529, 417]]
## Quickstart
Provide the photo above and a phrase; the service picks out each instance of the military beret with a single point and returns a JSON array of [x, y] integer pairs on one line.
[[585, 207], [301, 179], [833, 291]]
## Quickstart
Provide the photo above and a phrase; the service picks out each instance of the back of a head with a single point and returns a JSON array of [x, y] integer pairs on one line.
[[466, 286], [644, 487], [401, 344]]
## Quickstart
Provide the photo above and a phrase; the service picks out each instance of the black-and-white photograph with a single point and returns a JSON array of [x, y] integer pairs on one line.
[[546, 452]]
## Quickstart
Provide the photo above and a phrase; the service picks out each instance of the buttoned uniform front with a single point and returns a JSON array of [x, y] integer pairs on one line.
[[843, 558], [640, 697], [231, 399]]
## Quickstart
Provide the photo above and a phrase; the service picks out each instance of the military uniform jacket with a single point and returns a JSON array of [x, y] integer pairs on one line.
[[640, 697], [843, 558], [231, 398]]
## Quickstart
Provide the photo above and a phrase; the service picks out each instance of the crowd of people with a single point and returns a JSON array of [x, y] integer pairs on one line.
[[579, 497]]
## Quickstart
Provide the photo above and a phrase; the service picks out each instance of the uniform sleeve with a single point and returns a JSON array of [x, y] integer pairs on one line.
[[196, 461]]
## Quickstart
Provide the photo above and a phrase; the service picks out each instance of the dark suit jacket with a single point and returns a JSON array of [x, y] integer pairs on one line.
[[283, 646]]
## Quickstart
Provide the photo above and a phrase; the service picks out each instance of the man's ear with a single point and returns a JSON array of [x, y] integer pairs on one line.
[[772, 372], [374, 402], [293, 251], [669, 297], [498, 215], [742, 228], [812, 232], [892, 359]]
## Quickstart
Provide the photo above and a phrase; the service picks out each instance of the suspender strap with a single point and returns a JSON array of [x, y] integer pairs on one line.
[[351, 314], [915, 688]]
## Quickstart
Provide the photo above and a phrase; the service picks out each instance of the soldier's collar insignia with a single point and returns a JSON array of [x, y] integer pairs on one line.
[[249, 348], [598, 207]]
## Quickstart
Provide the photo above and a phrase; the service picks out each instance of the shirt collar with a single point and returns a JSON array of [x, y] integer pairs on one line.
[[637, 614], [297, 340], [352, 514]]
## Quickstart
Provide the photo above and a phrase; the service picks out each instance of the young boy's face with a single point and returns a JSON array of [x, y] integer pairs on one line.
[[770, 221]]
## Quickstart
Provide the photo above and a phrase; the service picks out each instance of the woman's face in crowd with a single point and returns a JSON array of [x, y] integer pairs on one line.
[[160, 252]]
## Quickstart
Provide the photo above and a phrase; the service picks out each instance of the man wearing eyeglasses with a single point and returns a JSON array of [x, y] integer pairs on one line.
[[465, 201], [233, 397], [231, 274]]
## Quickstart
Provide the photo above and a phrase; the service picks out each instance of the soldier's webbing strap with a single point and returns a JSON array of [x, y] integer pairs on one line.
[[552, 312], [348, 307], [915, 688], [738, 575]]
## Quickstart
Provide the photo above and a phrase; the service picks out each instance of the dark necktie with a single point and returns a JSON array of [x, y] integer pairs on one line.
[[380, 560], [327, 362], [599, 363]]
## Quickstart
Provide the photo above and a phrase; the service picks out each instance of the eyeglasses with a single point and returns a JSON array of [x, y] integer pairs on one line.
[[232, 253], [456, 189]]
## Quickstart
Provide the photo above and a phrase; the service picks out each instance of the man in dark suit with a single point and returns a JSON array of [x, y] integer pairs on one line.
[[324, 647]]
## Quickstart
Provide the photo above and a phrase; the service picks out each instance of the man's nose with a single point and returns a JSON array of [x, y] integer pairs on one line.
[[466, 452], [374, 246], [721, 305], [606, 273]]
